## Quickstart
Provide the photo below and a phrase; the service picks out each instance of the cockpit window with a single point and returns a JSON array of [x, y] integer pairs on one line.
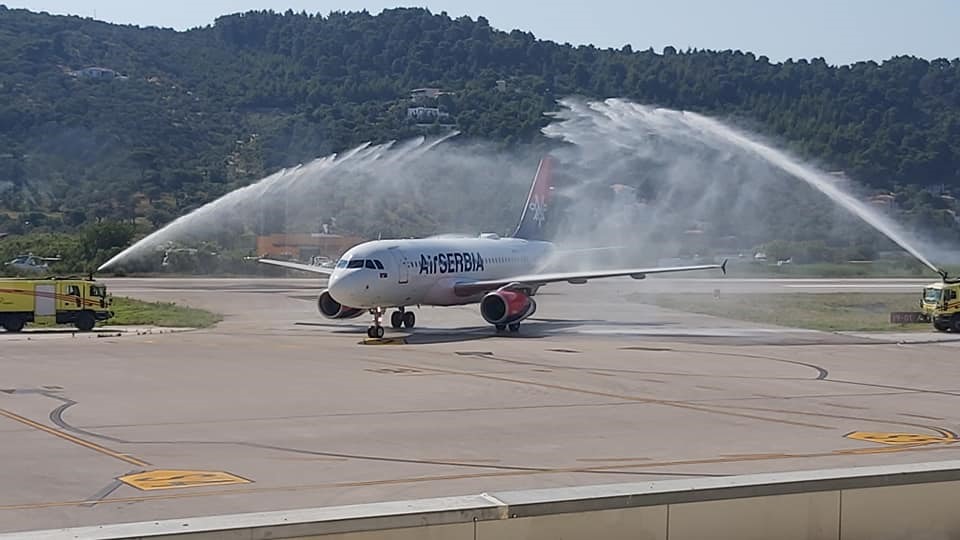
[[379, 264], [342, 263], [356, 263], [370, 264]]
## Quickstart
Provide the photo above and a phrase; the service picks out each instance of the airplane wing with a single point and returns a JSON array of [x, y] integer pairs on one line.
[[572, 250], [323, 270], [534, 281]]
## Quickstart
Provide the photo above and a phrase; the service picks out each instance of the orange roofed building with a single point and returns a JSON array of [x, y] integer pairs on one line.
[[305, 246]]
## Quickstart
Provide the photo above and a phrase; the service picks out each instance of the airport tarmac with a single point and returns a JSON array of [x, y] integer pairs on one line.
[[277, 408]]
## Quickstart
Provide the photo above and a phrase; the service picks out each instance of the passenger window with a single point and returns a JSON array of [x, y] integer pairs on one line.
[[356, 263], [379, 264]]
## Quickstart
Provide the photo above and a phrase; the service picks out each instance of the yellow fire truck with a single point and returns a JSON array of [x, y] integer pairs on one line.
[[940, 304], [81, 302]]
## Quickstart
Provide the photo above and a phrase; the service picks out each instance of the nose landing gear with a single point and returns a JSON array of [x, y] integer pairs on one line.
[[376, 330]]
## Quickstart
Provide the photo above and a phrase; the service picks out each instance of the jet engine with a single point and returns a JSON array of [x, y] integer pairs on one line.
[[505, 307], [332, 309]]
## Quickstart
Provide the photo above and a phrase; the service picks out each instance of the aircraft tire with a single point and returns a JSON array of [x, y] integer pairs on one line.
[[409, 319], [397, 319], [515, 327]]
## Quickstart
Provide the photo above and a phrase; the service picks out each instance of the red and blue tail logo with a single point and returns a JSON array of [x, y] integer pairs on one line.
[[533, 221]]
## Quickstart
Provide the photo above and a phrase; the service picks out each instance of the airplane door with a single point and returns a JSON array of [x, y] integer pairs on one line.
[[46, 299], [403, 266]]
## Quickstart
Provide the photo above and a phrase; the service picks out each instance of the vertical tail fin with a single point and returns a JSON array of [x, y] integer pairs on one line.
[[533, 220]]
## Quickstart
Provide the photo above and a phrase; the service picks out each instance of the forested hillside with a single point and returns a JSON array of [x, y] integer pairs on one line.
[[179, 118]]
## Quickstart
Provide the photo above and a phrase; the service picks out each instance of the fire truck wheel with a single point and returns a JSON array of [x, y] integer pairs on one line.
[[13, 324], [85, 322]]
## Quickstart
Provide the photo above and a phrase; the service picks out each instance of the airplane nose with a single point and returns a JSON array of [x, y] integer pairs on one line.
[[335, 285], [346, 288]]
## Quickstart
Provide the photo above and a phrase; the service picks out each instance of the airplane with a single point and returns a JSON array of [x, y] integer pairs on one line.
[[31, 263], [501, 274]]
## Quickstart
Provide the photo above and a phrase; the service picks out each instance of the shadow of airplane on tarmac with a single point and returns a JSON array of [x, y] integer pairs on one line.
[[533, 328]]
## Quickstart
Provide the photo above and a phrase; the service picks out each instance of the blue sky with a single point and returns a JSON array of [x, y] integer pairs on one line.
[[841, 31]]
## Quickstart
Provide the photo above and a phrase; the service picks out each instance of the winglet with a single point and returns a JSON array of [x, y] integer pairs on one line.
[[724, 267]]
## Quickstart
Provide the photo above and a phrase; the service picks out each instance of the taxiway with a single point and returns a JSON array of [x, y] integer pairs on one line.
[[278, 408]]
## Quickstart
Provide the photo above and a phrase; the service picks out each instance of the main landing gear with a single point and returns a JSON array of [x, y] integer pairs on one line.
[[404, 318], [514, 328], [398, 319]]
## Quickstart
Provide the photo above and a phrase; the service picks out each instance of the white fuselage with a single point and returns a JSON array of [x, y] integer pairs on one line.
[[394, 273]]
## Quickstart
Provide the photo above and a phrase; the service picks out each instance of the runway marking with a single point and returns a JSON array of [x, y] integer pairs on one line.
[[944, 433], [841, 406], [609, 459], [851, 286], [103, 493], [173, 479], [653, 401], [384, 341], [422, 479], [922, 417], [75, 440], [901, 438], [395, 371]]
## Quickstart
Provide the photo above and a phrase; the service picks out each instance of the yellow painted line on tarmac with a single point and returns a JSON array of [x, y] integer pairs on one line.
[[75, 440]]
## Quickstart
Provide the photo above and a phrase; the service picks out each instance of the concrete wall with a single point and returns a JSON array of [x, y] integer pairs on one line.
[[785, 517], [875, 503], [926, 512], [647, 523]]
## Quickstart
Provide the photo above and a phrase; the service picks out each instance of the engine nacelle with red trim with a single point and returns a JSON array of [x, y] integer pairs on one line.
[[332, 309], [505, 307]]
